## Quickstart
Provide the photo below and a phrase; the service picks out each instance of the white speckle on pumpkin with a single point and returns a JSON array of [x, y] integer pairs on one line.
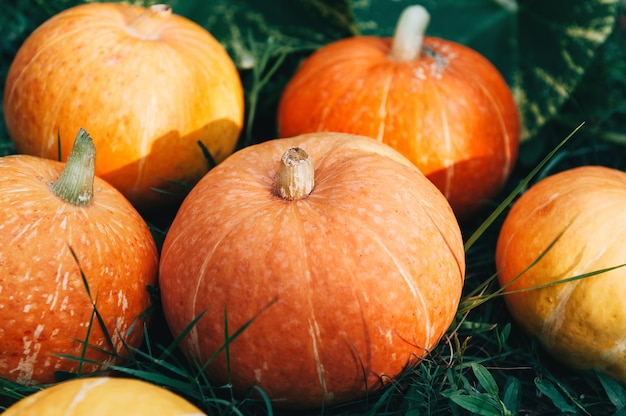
[[389, 336], [257, 374], [52, 300], [38, 331], [419, 73], [64, 304], [26, 365], [122, 301]]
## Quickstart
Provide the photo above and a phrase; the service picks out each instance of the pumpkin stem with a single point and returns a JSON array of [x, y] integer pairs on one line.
[[148, 24], [295, 175], [409, 34], [75, 185]]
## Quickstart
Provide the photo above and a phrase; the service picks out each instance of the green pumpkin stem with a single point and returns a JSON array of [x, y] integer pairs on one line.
[[148, 24], [409, 33], [295, 175], [75, 185]]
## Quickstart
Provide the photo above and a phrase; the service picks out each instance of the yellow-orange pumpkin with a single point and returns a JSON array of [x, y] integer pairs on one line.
[[583, 212], [145, 83], [346, 258], [45, 307], [103, 396], [442, 105]]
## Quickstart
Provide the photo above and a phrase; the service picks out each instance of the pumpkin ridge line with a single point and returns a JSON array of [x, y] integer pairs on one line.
[[553, 322], [448, 162], [415, 291], [505, 136], [382, 109], [313, 326], [50, 42]]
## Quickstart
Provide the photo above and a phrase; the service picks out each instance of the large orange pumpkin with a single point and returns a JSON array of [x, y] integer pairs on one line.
[[581, 211], [348, 261], [145, 83], [103, 396], [56, 221], [442, 105]]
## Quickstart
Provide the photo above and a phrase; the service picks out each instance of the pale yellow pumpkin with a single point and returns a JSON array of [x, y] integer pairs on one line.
[[103, 396], [583, 212]]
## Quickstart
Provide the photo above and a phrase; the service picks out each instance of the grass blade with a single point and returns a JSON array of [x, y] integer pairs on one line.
[[207, 155]]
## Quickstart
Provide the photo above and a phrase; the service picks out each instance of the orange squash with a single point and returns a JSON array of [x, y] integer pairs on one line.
[[57, 220], [346, 259], [442, 105], [145, 83], [582, 213], [103, 396]]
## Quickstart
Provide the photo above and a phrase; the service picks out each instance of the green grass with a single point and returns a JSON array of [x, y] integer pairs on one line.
[[485, 364]]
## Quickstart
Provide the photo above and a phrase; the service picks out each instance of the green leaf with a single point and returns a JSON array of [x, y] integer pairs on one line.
[[297, 24], [512, 395], [542, 48], [485, 379], [614, 391], [549, 390], [477, 404]]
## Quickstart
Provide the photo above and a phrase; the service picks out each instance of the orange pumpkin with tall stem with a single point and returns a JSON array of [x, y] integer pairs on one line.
[[75, 262], [341, 260], [442, 105]]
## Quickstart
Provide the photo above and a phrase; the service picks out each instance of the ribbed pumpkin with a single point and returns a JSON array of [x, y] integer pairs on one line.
[[347, 262], [442, 105], [581, 211], [145, 83], [103, 396], [57, 220]]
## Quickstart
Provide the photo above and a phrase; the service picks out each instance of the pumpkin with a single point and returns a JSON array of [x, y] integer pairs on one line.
[[333, 259], [442, 105], [147, 84], [71, 245], [103, 396], [568, 225]]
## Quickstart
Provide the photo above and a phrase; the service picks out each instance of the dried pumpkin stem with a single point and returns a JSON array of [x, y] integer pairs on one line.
[[409, 34], [75, 185], [295, 175], [148, 24]]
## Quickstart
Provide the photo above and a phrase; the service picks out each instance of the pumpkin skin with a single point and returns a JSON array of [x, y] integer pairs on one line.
[[346, 287], [448, 110], [103, 396], [45, 309], [583, 322], [146, 88]]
